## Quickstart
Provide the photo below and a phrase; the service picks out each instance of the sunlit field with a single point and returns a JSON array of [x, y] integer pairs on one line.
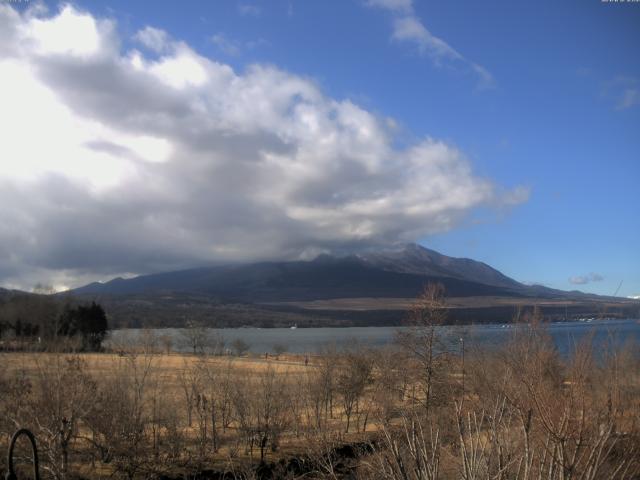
[[408, 411]]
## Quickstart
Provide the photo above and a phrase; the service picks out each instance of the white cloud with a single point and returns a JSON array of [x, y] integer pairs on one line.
[[181, 70], [69, 33], [155, 39], [485, 79], [116, 162], [402, 6], [624, 91], [585, 279], [515, 196], [249, 10], [408, 28], [630, 97], [225, 44], [233, 47]]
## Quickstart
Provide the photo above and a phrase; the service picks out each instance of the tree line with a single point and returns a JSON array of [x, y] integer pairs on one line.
[[32, 321]]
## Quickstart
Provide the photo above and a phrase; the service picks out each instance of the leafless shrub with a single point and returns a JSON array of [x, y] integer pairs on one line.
[[190, 381], [240, 347], [199, 339], [260, 406], [408, 453], [119, 432], [353, 377], [62, 397], [321, 446], [279, 349]]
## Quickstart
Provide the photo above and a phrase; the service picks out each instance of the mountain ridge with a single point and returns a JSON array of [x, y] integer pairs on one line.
[[318, 293], [391, 273], [414, 258]]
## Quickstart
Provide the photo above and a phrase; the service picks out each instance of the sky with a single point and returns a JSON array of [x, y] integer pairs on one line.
[[140, 138]]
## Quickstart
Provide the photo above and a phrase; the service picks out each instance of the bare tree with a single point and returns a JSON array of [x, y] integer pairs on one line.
[[148, 341], [353, 377], [167, 343], [408, 452], [327, 378], [261, 410], [427, 314], [200, 340], [190, 381], [240, 347], [119, 432], [63, 395], [217, 392]]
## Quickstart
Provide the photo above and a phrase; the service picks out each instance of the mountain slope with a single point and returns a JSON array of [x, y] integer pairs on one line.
[[381, 274], [422, 261], [372, 288]]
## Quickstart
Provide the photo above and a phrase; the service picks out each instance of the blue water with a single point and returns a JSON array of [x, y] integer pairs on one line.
[[566, 335]]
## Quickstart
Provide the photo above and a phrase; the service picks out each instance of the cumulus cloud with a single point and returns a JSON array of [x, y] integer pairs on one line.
[[117, 162], [408, 28], [584, 279]]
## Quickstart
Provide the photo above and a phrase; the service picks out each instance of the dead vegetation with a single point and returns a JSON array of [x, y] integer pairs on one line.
[[515, 412]]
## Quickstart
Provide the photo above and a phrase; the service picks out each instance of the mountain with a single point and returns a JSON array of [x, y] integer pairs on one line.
[[415, 259], [393, 274], [370, 288], [6, 294]]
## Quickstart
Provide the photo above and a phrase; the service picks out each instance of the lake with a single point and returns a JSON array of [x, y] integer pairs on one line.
[[310, 340]]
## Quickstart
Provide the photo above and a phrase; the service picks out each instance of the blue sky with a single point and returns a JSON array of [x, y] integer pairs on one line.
[[539, 97]]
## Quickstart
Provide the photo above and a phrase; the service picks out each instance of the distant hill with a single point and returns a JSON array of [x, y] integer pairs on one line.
[[6, 294], [283, 293], [399, 273]]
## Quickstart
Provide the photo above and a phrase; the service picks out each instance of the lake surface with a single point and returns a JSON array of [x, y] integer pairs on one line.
[[566, 335]]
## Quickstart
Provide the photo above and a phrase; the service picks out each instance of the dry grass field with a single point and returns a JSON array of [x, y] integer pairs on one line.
[[517, 412], [172, 387], [169, 366]]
